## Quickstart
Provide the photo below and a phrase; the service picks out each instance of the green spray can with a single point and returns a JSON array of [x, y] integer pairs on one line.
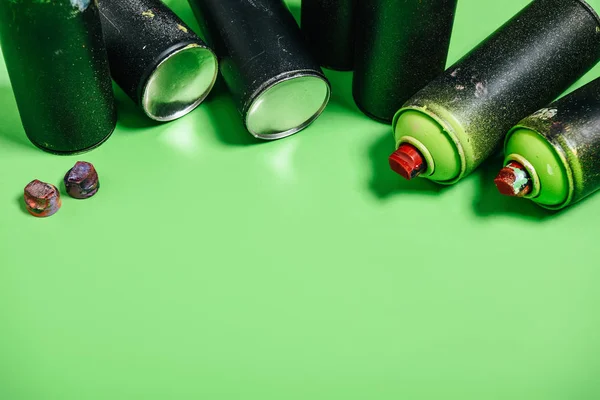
[[553, 156], [461, 118], [58, 68]]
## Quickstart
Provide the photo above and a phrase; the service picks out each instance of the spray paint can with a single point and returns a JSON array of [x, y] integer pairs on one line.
[[401, 45], [328, 26], [277, 85], [58, 69], [156, 59], [451, 126], [553, 156]]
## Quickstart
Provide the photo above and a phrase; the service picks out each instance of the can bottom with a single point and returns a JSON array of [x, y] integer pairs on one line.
[[287, 106], [179, 83], [74, 152]]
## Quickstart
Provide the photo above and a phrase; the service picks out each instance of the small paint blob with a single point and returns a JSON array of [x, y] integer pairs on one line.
[[41, 199], [82, 181]]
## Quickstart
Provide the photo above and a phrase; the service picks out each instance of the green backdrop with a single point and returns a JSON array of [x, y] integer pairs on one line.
[[212, 266]]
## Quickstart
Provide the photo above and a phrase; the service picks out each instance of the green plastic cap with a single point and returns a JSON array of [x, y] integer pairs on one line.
[[545, 164], [431, 139]]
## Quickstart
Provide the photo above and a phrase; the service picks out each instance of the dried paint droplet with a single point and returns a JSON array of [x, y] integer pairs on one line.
[[82, 181], [41, 199], [182, 28], [148, 14]]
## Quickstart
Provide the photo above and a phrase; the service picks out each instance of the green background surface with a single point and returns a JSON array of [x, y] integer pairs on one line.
[[213, 266]]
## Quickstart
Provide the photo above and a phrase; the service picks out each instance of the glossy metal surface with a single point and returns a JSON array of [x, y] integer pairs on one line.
[[180, 83], [287, 107], [263, 58]]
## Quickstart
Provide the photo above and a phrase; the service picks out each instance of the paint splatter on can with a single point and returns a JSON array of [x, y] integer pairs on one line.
[[58, 67], [155, 58], [558, 148], [401, 45], [278, 87], [461, 118], [328, 26]]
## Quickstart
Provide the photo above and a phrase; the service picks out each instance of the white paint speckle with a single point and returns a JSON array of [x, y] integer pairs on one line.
[[480, 90], [546, 113], [81, 5]]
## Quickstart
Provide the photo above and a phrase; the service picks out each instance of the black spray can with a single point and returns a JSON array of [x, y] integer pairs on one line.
[[277, 85], [59, 73], [461, 118], [401, 45], [555, 152], [155, 58], [328, 26]]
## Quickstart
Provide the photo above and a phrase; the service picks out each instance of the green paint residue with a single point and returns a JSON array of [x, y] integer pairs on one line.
[[148, 14], [521, 179]]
